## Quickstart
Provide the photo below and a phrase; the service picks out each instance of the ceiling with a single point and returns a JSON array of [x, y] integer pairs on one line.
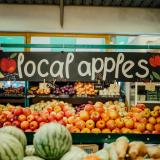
[[119, 3]]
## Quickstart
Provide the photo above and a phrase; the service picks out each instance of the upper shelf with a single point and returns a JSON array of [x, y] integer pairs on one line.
[[74, 99]]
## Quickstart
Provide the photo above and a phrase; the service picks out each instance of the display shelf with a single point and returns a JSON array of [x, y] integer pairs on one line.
[[13, 101], [91, 138], [12, 96], [74, 99], [149, 102]]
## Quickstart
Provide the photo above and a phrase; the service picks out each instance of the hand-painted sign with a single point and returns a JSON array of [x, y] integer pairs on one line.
[[85, 66]]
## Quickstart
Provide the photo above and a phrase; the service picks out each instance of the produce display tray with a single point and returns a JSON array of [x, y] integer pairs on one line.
[[74, 99], [91, 138], [12, 95]]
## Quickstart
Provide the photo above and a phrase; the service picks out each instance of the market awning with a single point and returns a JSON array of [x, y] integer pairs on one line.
[[117, 3]]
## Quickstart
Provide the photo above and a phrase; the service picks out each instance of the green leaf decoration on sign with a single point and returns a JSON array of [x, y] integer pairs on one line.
[[156, 75], [151, 77], [13, 55], [1, 75]]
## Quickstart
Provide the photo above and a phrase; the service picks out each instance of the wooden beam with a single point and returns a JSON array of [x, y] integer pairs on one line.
[[61, 12]]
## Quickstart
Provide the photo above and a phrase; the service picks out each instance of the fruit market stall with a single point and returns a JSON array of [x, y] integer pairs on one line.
[[86, 99]]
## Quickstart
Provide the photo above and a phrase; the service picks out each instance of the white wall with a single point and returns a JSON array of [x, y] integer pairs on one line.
[[79, 19]]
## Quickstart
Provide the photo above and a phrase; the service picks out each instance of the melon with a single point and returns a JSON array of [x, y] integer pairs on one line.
[[30, 150], [16, 132], [32, 158], [74, 153], [10, 148], [52, 141]]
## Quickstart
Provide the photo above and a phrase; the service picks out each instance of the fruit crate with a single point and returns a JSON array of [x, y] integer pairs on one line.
[[100, 139]]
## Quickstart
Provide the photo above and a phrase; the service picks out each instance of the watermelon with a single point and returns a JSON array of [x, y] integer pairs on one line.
[[30, 150], [16, 132], [32, 158], [52, 141], [74, 153], [10, 148]]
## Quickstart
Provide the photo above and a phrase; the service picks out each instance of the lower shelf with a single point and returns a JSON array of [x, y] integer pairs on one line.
[[83, 138]]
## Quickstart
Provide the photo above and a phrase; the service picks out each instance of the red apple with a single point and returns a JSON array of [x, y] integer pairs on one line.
[[45, 117], [53, 114], [84, 115], [40, 119], [89, 107], [85, 130], [49, 109], [33, 125], [59, 115], [26, 111], [100, 124], [129, 123], [24, 125], [99, 109], [119, 123], [80, 124], [3, 117], [7, 123], [105, 116], [116, 130], [22, 117], [68, 114], [30, 118], [113, 114], [149, 127], [18, 111], [95, 130], [111, 124], [10, 117], [16, 123], [37, 113], [51, 118], [90, 124], [95, 116], [140, 127]]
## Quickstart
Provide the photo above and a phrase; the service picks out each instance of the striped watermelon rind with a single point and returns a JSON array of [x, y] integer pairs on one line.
[[74, 153], [32, 158], [52, 141], [30, 150], [10, 148], [16, 132]]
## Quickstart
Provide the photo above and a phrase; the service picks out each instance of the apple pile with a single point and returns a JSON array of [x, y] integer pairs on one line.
[[99, 119], [30, 121], [90, 118]]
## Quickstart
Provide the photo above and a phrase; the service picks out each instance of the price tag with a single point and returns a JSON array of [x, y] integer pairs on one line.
[[51, 85], [43, 85], [98, 86], [150, 87]]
